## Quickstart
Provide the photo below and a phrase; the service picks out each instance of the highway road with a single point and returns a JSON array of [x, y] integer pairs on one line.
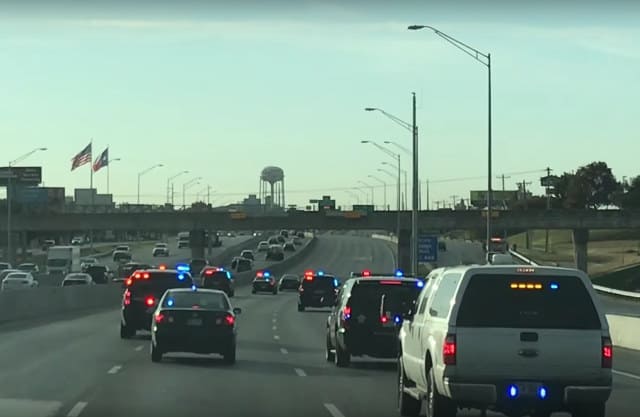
[[81, 368]]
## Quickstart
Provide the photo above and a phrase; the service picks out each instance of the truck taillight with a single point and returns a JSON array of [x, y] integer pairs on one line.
[[127, 297], [449, 349], [607, 353]]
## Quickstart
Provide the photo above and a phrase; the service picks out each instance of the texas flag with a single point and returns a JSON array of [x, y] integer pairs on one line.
[[101, 161]]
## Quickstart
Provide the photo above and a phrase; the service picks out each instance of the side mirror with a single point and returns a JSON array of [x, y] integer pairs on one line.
[[237, 310]]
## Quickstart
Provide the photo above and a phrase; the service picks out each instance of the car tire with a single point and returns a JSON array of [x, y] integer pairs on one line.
[[126, 332], [156, 353], [342, 357], [330, 355], [437, 405], [590, 410], [300, 307], [407, 405], [253, 291], [229, 356]]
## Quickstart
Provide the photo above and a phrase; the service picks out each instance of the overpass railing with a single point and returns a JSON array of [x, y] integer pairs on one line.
[[599, 288]]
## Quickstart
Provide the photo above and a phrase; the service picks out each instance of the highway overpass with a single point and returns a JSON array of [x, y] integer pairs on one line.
[[381, 220]]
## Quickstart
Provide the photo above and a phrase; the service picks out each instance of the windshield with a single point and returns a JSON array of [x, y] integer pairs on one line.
[[202, 299]]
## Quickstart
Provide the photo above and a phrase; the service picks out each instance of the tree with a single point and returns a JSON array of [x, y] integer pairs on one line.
[[596, 184], [629, 195]]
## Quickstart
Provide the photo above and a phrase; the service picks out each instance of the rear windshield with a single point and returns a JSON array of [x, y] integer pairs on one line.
[[17, 275], [320, 282], [159, 282], [375, 296], [218, 276], [553, 303], [205, 300]]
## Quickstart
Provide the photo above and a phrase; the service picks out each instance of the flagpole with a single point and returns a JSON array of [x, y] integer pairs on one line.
[[92, 192], [108, 165]]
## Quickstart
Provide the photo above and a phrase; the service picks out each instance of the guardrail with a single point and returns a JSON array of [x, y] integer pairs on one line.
[[599, 288]]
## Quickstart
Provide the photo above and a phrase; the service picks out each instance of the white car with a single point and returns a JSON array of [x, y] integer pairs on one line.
[[29, 267], [520, 340], [77, 279], [160, 251], [87, 262], [18, 280], [122, 248], [263, 246]]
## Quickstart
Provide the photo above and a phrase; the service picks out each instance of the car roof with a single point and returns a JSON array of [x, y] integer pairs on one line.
[[191, 290]]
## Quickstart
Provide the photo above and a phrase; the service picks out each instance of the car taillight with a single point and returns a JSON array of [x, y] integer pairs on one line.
[[449, 350], [149, 301], [159, 318], [230, 320], [607, 353], [346, 314], [127, 297]]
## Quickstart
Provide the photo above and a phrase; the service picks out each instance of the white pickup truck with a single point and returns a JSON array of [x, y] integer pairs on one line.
[[519, 340]]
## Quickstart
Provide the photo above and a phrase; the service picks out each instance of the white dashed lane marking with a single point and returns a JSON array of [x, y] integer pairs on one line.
[[300, 372], [627, 374], [274, 328], [284, 351], [114, 370], [333, 410], [276, 337], [77, 409], [139, 348]]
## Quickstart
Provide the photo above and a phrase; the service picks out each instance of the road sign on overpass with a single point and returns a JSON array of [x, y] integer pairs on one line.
[[427, 248]]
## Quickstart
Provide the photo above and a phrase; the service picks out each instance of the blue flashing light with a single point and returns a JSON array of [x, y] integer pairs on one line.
[[336, 283], [170, 302], [420, 284], [320, 273], [399, 273], [266, 274], [181, 277], [397, 319], [512, 391], [183, 268], [542, 393], [228, 275], [554, 286], [193, 287]]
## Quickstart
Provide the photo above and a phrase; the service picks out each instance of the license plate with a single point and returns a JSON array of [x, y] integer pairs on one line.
[[528, 388], [194, 322]]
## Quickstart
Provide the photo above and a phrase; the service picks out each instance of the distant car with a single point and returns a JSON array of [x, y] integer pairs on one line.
[[29, 267], [6, 272], [296, 240], [263, 246], [231, 234], [144, 290], [100, 274], [289, 282], [281, 240], [121, 256], [76, 278], [273, 240], [264, 282], [47, 244], [124, 248], [289, 247], [284, 233], [18, 280], [195, 321], [76, 241], [502, 259], [240, 264], [197, 264], [87, 262], [160, 251], [183, 243], [4, 266], [300, 235], [317, 289], [275, 253], [215, 278], [248, 254]]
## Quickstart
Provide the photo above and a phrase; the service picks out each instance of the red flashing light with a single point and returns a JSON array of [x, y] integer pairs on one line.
[[391, 282], [149, 301], [308, 273], [128, 282], [384, 319], [137, 275], [260, 274], [449, 350], [346, 311], [209, 272], [366, 273], [308, 278], [162, 267], [230, 320], [607, 353], [145, 275], [159, 317]]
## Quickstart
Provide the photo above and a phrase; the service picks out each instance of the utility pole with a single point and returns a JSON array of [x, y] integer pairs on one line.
[[523, 188], [428, 205], [503, 177], [454, 198], [548, 192]]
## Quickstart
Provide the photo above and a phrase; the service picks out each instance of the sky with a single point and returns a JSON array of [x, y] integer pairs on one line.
[[224, 89]]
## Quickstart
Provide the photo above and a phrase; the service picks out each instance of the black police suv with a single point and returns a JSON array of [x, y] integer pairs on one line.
[[317, 289], [194, 320], [264, 282], [215, 278], [143, 290], [367, 316]]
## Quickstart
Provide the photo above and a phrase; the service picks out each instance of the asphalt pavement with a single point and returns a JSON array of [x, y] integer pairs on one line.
[[80, 367]]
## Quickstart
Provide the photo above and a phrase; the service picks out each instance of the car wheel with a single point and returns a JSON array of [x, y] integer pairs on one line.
[[253, 291], [330, 355], [437, 405], [407, 405], [589, 410], [300, 307], [156, 353], [342, 357], [126, 332], [230, 355]]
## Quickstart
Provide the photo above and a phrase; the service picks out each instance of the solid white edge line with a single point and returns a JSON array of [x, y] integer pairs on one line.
[[284, 351], [115, 369], [333, 410], [300, 372], [627, 374], [77, 409]]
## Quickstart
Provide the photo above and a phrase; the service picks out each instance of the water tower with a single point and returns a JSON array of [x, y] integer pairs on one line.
[[272, 187]]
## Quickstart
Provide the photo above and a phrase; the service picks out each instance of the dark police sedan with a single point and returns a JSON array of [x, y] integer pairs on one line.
[[194, 320]]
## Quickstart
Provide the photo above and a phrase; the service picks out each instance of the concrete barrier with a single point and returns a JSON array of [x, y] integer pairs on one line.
[[624, 331]]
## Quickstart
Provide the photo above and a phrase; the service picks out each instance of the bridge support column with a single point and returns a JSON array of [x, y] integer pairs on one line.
[[527, 239], [404, 250], [197, 243], [580, 244], [209, 243]]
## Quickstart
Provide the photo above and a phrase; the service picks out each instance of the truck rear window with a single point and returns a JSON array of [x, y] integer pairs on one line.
[[519, 301]]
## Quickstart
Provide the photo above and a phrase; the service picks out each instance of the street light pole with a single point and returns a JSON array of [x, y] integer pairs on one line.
[[384, 188], [484, 59], [108, 169], [352, 194], [415, 193], [397, 197], [9, 196], [184, 190], [140, 174], [371, 188], [170, 186]]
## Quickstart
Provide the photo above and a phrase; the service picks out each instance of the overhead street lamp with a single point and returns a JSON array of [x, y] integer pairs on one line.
[[186, 185], [397, 178], [384, 187], [408, 151], [484, 59], [406, 181], [413, 128], [170, 186], [353, 195], [370, 188], [108, 169], [9, 197], [141, 173]]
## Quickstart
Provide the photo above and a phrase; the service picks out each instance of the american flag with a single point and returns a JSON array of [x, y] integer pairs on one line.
[[102, 161], [84, 157]]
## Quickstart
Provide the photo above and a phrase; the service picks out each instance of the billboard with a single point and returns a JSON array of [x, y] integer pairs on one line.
[[21, 175], [52, 197], [479, 198]]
